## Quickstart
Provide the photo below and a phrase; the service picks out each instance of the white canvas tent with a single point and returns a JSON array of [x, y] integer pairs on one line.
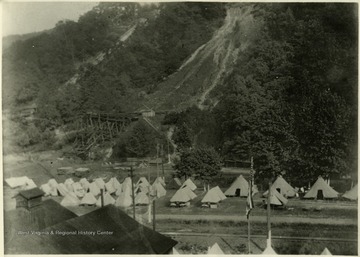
[[215, 250], [119, 190], [142, 182], [107, 200], [17, 181], [116, 183], [46, 189], [113, 185], [109, 186], [30, 184], [62, 189], [144, 189], [85, 184], [126, 184], [211, 197], [240, 187], [321, 190], [326, 252], [94, 189], [53, 187], [52, 183], [142, 199], [269, 251], [219, 193], [88, 199], [124, 199], [282, 187], [352, 194], [189, 192], [68, 183], [183, 195], [157, 190], [276, 198], [100, 183], [175, 252], [78, 189], [126, 188], [159, 180], [70, 200], [189, 184]]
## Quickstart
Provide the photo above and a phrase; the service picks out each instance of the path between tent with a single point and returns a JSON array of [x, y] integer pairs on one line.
[[274, 219]]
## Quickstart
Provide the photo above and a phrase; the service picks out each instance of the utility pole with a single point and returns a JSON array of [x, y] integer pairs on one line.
[[157, 158], [102, 197], [154, 221], [162, 162], [268, 217], [169, 160], [132, 190], [250, 202]]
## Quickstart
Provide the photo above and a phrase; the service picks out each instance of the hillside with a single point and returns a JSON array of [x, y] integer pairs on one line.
[[9, 40], [206, 68], [273, 81]]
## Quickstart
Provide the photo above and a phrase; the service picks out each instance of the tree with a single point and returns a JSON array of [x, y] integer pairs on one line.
[[183, 137], [202, 163], [141, 141]]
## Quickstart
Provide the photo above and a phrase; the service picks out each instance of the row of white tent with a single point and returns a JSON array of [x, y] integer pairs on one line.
[[113, 186], [280, 191], [185, 194], [122, 191], [319, 190], [240, 187]]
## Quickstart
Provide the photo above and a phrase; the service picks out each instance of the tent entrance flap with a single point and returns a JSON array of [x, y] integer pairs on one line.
[[238, 192], [320, 195]]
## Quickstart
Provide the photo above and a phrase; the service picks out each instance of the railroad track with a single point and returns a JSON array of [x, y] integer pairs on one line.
[[260, 236]]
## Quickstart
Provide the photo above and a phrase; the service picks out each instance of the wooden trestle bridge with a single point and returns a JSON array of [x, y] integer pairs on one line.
[[97, 128]]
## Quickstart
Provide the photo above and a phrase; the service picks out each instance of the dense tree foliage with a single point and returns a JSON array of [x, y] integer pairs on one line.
[[194, 128], [291, 101], [140, 141], [202, 163]]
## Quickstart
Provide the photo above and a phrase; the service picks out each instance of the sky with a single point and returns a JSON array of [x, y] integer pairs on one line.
[[27, 17]]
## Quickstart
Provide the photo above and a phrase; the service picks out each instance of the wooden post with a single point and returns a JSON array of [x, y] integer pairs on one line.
[[268, 216], [132, 189], [250, 192], [157, 163], [148, 170], [249, 241], [154, 221], [102, 197], [162, 162], [169, 160]]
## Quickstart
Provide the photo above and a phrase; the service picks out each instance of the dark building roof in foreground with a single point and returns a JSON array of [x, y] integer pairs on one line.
[[47, 214], [32, 193], [127, 236]]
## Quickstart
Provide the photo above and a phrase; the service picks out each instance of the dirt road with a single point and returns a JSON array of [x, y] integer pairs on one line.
[[274, 219]]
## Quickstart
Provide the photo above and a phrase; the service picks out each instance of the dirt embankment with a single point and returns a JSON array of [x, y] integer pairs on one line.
[[206, 68]]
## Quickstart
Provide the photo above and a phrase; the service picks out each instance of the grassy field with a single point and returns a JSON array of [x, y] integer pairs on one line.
[[234, 239], [239, 245]]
